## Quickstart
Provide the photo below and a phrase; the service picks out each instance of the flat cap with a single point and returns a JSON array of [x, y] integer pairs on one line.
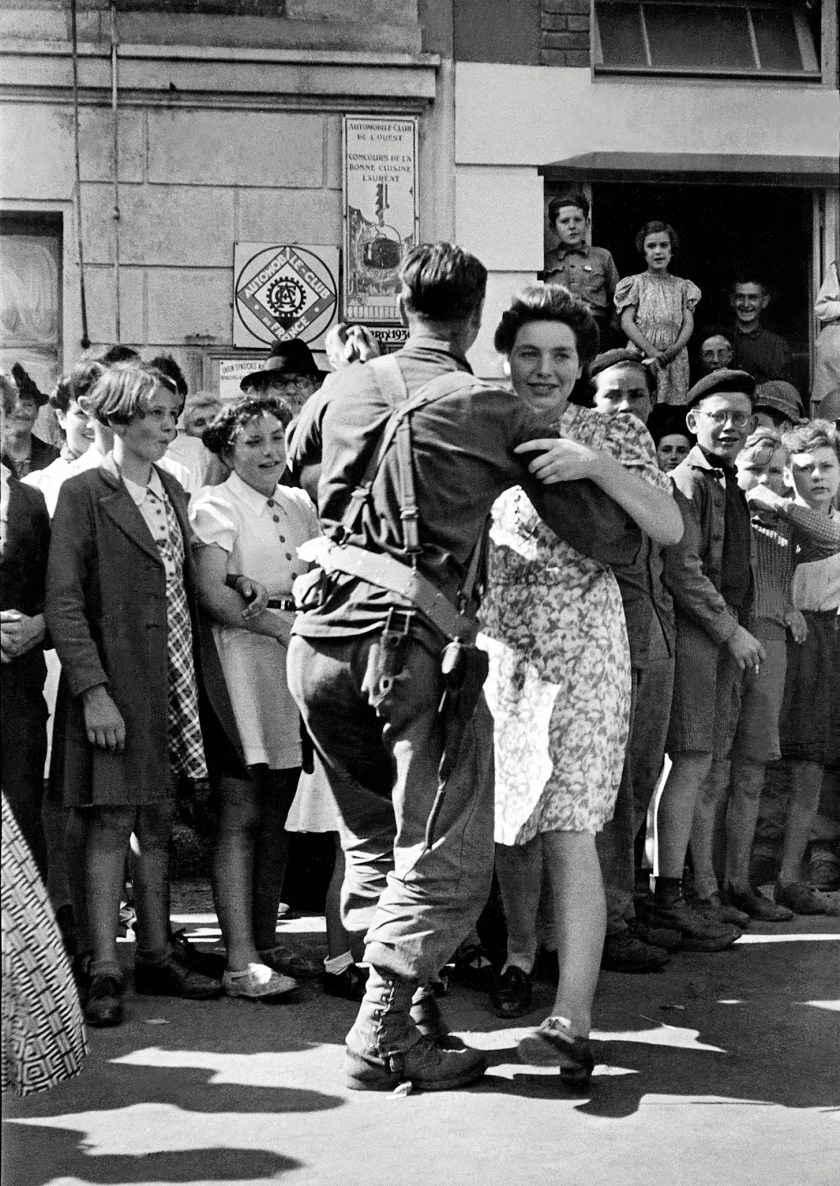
[[780, 397], [720, 382]]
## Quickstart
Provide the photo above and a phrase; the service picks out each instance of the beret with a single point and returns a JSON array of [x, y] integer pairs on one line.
[[614, 358], [721, 382]]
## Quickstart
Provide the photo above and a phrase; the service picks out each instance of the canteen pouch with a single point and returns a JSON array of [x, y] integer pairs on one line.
[[310, 589]]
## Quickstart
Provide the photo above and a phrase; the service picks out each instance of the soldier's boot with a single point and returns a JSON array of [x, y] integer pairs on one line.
[[385, 1049], [427, 1016]]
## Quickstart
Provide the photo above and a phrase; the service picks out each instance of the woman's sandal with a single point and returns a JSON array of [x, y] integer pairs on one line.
[[257, 982], [553, 1045]]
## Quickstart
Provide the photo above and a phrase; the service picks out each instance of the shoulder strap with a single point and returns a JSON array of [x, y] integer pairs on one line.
[[391, 383]]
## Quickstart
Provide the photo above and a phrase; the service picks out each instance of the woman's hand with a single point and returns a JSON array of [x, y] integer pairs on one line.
[[103, 720], [254, 593], [797, 625], [560, 460]]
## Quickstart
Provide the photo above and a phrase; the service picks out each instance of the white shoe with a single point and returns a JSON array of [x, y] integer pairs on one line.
[[256, 982]]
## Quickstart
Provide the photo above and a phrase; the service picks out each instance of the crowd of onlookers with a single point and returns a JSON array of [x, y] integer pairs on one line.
[[148, 566]]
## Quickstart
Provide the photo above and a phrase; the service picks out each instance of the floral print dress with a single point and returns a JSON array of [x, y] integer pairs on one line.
[[559, 681], [661, 302]]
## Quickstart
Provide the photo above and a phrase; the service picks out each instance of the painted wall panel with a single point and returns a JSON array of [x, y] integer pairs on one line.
[[161, 225], [289, 216], [499, 217], [185, 302], [542, 115], [235, 148]]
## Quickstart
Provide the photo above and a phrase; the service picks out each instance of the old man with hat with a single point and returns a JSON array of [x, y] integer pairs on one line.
[[290, 372]]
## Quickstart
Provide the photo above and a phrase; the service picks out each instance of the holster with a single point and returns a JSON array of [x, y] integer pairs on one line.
[[459, 699], [386, 658]]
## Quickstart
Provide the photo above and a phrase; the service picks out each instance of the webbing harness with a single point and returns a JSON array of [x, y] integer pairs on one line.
[[380, 568]]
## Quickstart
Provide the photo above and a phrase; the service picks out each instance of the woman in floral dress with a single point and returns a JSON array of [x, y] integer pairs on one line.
[[559, 683]]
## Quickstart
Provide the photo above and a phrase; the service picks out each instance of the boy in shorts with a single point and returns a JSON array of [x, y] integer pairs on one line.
[[810, 718], [709, 577]]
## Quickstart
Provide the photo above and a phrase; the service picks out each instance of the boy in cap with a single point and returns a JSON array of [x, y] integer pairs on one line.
[[709, 577], [777, 405], [622, 385]]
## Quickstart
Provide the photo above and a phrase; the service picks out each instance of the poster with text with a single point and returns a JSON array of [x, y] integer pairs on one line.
[[380, 213]]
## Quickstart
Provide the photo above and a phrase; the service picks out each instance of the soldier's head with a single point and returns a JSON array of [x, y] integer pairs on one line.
[[445, 286]]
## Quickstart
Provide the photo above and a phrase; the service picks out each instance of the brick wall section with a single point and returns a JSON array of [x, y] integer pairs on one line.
[[565, 33]]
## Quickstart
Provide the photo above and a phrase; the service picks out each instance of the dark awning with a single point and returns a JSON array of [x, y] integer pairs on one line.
[[806, 172]]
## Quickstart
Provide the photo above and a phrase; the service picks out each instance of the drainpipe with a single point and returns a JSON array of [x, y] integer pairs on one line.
[[116, 215], [74, 37]]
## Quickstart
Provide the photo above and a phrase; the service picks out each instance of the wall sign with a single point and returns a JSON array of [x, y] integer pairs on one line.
[[380, 213], [282, 292]]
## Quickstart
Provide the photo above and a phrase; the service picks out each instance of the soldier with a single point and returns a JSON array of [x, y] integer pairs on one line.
[[407, 454]]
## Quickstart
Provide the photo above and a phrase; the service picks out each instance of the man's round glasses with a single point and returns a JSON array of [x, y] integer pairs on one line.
[[738, 419]]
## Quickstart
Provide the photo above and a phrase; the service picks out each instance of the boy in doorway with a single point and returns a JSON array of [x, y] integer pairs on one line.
[[710, 580], [589, 272], [759, 351]]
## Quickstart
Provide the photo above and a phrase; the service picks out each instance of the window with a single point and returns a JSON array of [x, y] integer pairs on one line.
[[732, 37]]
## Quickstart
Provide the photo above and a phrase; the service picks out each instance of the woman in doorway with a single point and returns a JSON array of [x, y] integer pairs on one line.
[[559, 683], [657, 311]]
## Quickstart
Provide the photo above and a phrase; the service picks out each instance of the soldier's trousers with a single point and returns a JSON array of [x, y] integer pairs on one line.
[[413, 890]]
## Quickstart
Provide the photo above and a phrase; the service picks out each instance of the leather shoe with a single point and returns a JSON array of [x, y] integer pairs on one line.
[[754, 903], [208, 963], [289, 963], [553, 1045], [349, 984], [798, 897], [173, 977], [623, 952], [511, 993], [105, 1000]]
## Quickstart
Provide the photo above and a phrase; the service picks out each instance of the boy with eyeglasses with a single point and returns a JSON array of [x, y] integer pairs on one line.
[[709, 577]]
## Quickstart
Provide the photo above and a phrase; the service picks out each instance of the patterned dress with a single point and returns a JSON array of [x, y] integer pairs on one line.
[[44, 1039], [559, 682], [661, 302]]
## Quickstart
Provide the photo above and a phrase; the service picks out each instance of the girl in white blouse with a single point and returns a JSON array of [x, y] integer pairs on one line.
[[251, 525]]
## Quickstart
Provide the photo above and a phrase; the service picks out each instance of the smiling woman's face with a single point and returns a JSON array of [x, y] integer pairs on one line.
[[544, 365], [258, 453]]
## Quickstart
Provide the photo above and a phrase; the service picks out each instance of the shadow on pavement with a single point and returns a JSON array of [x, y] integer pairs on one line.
[[740, 1026]]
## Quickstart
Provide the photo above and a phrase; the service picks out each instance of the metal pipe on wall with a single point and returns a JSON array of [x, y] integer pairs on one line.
[[74, 38], [116, 213]]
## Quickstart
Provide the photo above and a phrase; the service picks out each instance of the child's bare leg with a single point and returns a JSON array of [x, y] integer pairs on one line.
[[580, 918], [151, 878], [276, 792], [707, 827], [519, 869], [805, 798], [108, 831], [676, 809], [746, 784]]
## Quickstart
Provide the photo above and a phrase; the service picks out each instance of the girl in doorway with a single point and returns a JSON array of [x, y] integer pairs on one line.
[[657, 311]]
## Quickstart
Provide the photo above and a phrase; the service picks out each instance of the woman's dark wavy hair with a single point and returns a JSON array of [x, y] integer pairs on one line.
[[654, 228], [548, 302], [220, 434]]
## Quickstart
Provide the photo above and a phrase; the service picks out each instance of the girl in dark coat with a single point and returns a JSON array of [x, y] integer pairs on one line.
[[122, 612]]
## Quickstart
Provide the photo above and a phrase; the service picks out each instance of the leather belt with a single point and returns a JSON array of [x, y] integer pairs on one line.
[[379, 568]]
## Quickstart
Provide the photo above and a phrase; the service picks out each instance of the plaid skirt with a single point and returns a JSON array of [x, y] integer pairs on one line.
[[43, 1033]]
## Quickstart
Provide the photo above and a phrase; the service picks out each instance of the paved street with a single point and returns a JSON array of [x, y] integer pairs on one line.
[[722, 1071]]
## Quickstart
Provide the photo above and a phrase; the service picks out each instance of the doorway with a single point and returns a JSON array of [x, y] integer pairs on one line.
[[722, 228]]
